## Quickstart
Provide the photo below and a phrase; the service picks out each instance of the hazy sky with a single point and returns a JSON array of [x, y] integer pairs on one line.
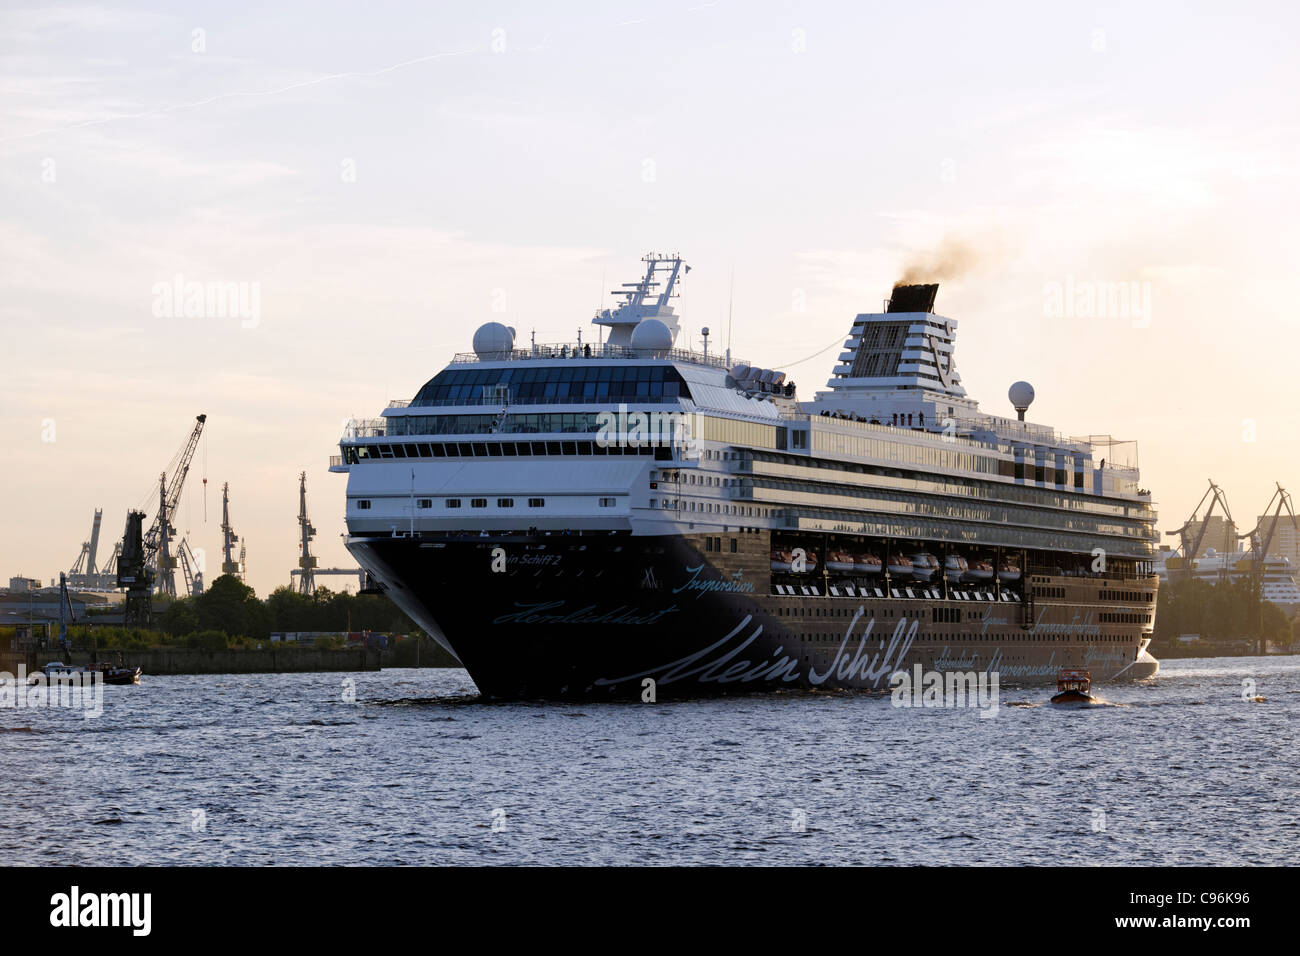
[[382, 175]]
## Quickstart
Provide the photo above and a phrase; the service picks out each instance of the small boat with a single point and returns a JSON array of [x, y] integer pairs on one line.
[[780, 560], [840, 562], [1008, 571], [865, 563], [954, 566], [979, 569], [1073, 686], [900, 565], [109, 673], [924, 566]]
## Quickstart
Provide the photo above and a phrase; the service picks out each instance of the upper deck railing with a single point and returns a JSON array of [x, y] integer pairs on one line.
[[585, 351]]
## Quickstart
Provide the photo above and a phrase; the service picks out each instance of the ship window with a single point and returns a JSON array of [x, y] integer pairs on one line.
[[505, 502], [453, 502], [424, 450], [536, 502], [363, 504], [508, 449], [553, 448], [465, 450], [609, 503], [425, 503], [494, 450], [568, 381], [478, 502]]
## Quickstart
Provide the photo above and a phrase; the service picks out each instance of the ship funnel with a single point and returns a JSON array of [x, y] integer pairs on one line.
[[913, 298]]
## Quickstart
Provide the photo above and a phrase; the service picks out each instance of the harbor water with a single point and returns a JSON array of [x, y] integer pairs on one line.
[[1196, 766]]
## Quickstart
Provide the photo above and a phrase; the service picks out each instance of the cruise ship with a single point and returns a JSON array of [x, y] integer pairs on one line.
[[626, 517], [1277, 581]]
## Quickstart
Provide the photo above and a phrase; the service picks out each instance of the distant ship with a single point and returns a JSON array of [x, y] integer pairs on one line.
[[592, 519], [1277, 583]]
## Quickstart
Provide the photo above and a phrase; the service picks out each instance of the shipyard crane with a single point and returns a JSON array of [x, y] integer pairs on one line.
[[65, 599], [358, 573], [1192, 547], [1259, 551], [164, 560], [1259, 546], [109, 567], [228, 537], [146, 554], [85, 564], [308, 570], [191, 568], [134, 573], [306, 560], [170, 490]]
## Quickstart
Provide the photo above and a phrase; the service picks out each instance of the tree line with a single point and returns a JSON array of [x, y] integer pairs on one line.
[[1223, 611]]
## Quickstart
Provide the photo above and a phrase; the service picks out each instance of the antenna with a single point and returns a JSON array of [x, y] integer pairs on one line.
[[731, 298]]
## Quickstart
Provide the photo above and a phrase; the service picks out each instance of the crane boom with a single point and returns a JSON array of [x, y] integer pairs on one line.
[[139, 563], [1283, 500], [1191, 547], [172, 490]]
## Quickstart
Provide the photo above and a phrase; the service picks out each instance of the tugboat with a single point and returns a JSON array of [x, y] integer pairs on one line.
[[1073, 686], [55, 671]]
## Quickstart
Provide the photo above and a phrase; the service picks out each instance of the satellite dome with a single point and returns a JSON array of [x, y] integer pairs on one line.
[[493, 340], [652, 336], [1022, 396]]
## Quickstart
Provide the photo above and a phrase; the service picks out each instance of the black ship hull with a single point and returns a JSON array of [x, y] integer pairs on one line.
[[618, 616]]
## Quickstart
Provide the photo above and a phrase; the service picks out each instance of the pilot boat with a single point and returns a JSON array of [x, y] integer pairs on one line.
[[1073, 686]]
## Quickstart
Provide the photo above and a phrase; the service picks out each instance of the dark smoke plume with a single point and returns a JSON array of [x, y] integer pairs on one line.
[[951, 258]]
